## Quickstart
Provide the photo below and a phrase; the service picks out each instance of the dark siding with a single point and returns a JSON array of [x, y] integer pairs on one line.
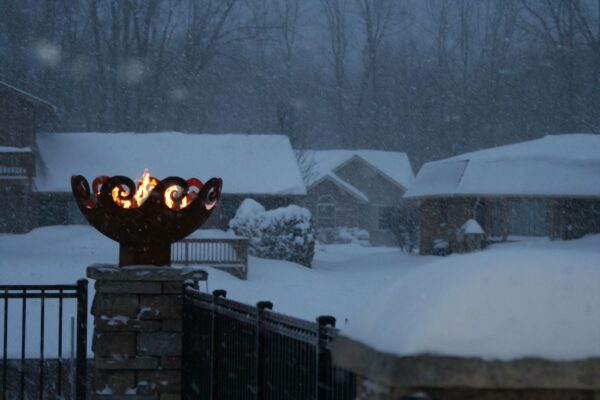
[[14, 206], [346, 206], [17, 121]]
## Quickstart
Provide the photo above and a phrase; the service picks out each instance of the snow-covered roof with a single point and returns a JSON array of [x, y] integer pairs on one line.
[[360, 196], [472, 227], [395, 165], [7, 149], [27, 96], [248, 164], [555, 165]]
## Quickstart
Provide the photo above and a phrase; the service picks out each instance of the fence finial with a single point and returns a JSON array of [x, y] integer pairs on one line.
[[262, 305], [325, 320]]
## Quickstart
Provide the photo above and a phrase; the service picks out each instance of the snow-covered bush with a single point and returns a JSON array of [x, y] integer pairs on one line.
[[283, 233], [344, 234]]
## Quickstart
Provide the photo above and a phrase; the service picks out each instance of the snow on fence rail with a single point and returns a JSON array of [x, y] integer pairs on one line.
[[229, 254]]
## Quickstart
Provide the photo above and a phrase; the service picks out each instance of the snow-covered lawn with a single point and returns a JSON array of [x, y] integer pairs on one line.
[[342, 277], [512, 299]]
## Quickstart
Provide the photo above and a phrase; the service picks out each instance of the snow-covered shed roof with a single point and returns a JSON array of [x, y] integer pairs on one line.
[[566, 165], [393, 164], [248, 164]]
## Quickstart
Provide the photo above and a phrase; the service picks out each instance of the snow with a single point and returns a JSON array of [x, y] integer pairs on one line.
[[531, 298], [393, 164], [7, 149], [345, 185], [213, 234], [60, 254], [555, 165], [248, 164], [528, 299], [472, 227]]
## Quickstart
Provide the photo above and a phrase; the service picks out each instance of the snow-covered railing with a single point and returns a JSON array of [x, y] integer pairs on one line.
[[229, 254]]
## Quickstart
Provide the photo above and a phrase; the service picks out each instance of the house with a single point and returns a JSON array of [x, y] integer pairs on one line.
[[21, 114], [262, 167], [355, 189], [548, 186]]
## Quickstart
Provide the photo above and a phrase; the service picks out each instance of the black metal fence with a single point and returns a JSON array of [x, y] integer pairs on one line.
[[36, 328], [237, 351]]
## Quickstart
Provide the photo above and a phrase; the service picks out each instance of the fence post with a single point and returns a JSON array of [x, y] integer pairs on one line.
[[82, 318], [324, 379], [187, 253], [259, 355], [214, 344]]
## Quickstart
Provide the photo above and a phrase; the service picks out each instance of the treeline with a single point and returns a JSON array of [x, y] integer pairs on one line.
[[430, 77]]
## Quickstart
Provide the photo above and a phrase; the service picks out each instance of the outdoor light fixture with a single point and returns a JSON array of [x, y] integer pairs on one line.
[[148, 217]]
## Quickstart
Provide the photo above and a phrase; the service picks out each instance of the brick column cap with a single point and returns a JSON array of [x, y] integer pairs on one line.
[[112, 272]]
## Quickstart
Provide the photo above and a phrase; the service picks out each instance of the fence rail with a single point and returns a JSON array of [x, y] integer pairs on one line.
[[237, 351], [9, 171], [18, 365], [229, 254]]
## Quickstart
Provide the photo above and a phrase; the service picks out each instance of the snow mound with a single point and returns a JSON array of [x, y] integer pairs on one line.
[[472, 227], [503, 303]]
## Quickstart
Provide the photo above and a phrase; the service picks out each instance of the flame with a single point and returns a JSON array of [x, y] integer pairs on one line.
[[145, 185], [175, 200]]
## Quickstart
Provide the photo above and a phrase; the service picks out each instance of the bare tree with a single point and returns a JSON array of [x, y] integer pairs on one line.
[[337, 30], [375, 16]]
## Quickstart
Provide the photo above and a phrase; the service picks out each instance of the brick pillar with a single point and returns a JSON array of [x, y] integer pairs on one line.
[[137, 331]]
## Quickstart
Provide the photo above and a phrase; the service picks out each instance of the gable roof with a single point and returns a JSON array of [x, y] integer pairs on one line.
[[248, 164], [343, 185], [566, 165], [30, 98], [395, 165]]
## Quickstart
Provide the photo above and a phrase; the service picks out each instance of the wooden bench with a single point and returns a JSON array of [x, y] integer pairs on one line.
[[228, 254]]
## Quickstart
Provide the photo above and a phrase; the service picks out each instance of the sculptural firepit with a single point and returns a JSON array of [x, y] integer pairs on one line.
[[148, 217]]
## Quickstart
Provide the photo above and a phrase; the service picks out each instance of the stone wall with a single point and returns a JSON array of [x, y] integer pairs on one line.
[[137, 331]]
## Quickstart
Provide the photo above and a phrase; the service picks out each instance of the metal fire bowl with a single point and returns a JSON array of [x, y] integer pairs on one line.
[[145, 233]]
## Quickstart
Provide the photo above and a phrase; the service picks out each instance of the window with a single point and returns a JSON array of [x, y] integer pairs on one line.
[[385, 217], [326, 212]]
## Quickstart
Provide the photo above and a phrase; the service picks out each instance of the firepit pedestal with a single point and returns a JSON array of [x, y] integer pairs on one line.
[[137, 330]]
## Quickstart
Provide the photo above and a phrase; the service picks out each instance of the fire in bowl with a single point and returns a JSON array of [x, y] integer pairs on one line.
[[148, 217]]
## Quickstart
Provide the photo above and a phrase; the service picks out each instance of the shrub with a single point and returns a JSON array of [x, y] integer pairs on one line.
[[283, 233], [344, 234]]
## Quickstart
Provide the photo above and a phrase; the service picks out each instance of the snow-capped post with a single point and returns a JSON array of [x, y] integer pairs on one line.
[[324, 354], [138, 306], [213, 342], [259, 352]]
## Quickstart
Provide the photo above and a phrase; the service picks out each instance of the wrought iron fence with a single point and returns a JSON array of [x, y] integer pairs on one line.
[[35, 362], [237, 351]]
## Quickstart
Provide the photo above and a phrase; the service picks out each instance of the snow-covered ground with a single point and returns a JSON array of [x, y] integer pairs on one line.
[[533, 297], [343, 276]]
